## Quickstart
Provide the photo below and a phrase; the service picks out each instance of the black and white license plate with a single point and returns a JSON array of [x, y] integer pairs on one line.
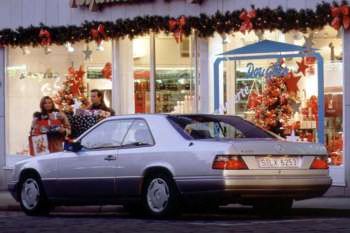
[[279, 162]]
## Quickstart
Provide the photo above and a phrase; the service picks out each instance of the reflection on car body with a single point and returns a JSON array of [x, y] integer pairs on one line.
[[160, 161]]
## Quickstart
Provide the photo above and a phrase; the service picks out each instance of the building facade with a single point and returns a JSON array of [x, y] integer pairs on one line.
[[170, 71]]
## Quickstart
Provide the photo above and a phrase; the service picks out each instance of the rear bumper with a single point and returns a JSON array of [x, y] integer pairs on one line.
[[246, 187]]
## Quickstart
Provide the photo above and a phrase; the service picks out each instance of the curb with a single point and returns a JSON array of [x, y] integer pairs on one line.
[[71, 209]]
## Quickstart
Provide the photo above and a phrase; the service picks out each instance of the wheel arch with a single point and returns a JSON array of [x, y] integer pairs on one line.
[[154, 170], [25, 173]]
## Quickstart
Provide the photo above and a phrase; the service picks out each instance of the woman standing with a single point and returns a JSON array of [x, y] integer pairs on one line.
[[53, 123]]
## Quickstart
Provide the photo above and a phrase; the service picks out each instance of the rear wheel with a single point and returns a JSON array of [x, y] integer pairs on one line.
[[160, 196], [32, 197]]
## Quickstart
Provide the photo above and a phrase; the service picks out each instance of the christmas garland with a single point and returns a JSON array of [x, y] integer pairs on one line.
[[336, 15]]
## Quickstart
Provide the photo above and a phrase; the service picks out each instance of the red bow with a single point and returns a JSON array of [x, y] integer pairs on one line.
[[177, 27], [45, 37], [246, 18], [99, 34], [340, 17]]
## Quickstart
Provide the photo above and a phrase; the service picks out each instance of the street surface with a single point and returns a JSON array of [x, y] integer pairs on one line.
[[227, 219]]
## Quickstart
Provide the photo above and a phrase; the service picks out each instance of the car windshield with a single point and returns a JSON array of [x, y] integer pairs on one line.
[[217, 127]]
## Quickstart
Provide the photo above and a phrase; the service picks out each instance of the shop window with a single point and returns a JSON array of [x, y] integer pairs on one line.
[[294, 117], [175, 86], [36, 72], [141, 60], [174, 74]]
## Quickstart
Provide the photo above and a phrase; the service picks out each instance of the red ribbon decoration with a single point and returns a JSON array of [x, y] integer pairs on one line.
[[341, 17], [177, 27], [99, 34], [45, 37], [246, 18]]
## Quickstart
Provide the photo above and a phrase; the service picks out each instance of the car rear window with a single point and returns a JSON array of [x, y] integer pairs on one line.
[[216, 127]]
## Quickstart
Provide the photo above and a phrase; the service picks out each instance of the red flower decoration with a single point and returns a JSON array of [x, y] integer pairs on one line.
[[341, 16], [45, 37], [99, 34], [176, 26], [246, 18]]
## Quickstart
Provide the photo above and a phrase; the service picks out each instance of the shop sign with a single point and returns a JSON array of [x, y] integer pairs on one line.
[[275, 69], [95, 5]]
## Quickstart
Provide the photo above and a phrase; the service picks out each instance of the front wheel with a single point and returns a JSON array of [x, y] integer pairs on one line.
[[160, 196], [32, 197]]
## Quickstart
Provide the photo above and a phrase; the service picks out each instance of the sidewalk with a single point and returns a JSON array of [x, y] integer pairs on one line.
[[7, 203]]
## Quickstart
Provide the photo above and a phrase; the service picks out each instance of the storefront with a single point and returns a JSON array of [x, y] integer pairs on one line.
[[162, 64]]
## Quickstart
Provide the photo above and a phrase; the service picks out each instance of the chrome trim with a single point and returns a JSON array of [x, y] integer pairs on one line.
[[91, 178]]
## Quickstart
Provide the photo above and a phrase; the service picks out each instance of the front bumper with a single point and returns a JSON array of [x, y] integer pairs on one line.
[[248, 187]]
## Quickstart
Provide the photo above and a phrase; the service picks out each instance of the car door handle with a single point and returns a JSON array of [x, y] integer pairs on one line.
[[110, 157]]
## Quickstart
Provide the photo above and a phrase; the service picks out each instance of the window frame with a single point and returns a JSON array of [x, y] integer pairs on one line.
[[138, 146], [96, 126]]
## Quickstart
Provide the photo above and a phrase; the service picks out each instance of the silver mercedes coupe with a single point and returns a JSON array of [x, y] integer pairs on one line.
[[160, 162]]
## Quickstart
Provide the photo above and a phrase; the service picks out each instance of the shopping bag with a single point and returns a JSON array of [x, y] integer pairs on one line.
[[38, 145]]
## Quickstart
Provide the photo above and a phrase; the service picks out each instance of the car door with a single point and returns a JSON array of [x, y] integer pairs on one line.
[[91, 172], [136, 150]]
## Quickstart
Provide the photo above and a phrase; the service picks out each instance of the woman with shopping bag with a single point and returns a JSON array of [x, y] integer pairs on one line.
[[49, 129]]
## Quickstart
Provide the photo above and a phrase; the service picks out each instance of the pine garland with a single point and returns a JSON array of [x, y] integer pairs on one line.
[[204, 25]]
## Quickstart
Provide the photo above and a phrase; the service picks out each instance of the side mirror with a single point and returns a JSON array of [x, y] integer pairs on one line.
[[73, 146]]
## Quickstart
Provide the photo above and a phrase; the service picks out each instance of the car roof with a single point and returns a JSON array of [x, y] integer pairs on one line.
[[163, 115]]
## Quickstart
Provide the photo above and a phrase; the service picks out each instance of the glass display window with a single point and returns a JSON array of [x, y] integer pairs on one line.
[[175, 74], [36, 72], [289, 108]]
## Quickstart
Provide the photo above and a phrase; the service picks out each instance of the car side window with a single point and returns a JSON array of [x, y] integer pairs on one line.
[[107, 135], [138, 134], [213, 129]]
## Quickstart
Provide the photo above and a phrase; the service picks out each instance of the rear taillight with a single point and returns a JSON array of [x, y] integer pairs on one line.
[[319, 162], [229, 162]]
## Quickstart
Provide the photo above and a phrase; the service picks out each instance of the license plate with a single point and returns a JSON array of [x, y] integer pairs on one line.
[[279, 162]]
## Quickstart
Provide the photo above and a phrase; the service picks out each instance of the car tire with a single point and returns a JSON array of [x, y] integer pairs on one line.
[[160, 196], [32, 196], [274, 208]]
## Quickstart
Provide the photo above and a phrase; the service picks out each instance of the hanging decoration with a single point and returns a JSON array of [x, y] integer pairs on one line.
[[45, 38], [291, 82], [99, 34], [107, 71], [302, 66], [87, 53], [285, 20], [246, 18], [341, 16], [176, 26]]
